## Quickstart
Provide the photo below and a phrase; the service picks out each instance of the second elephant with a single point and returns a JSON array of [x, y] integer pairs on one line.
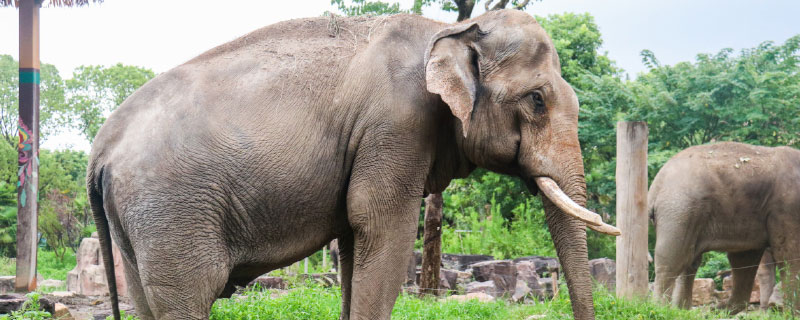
[[729, 197]]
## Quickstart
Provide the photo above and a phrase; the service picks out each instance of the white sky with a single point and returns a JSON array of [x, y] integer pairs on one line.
[[163, 34]]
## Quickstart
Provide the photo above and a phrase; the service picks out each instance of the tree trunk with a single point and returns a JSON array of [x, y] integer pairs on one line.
[[432, 245], [464, 9]]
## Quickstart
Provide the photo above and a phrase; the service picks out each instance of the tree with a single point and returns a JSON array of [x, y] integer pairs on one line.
[[363, 7], [752, 97], [95, 91], [463, 7], [53, 110]]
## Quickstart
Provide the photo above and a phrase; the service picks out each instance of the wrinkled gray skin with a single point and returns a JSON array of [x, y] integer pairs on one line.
[[259, 152], [728, 197]]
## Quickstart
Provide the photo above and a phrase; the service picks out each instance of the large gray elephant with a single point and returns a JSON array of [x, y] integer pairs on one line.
[[729, 197], [257, 153]]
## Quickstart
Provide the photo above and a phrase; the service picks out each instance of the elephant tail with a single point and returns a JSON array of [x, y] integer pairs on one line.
[[95, 192], [651, 207]]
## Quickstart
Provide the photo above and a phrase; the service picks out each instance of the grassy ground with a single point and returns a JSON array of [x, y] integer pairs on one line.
[[310, 301], [313, 302], [48, 265]]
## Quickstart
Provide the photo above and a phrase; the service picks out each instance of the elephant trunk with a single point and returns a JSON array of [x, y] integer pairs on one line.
[[569, 237]]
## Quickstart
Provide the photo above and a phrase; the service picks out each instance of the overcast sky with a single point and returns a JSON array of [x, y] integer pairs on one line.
[[162, 34]]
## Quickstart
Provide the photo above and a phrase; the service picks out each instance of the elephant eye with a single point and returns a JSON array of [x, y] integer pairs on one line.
[[538, 102]]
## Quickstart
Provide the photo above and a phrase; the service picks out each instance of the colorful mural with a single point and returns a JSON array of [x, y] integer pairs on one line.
[[26, 162]]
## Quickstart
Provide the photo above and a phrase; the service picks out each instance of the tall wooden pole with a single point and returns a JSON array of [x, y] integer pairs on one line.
[[632, 209], [432, 244], [28, 147]]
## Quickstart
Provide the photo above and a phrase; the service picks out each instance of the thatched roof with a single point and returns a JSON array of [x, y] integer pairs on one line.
[[51, 3]]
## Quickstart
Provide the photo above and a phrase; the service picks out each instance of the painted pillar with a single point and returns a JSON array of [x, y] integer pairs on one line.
[[28, 147]]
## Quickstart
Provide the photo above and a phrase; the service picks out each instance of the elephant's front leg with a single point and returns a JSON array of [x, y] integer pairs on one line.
[[384, 226]]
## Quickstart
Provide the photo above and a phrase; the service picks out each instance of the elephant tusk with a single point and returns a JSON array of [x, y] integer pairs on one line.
[[562, 201]]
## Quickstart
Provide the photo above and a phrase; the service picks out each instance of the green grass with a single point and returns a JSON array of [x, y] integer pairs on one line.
[[48, 265], [314, 302]]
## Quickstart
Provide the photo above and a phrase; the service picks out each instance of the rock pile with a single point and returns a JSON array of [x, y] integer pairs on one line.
[[89, 276]]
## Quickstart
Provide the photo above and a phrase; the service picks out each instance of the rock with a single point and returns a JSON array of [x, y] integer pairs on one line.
[[755, 295], [325, 279], [462, 278], [544, 265], [411, 270], [411, 289], [526, 272], [7, 284], [703, 291], [547, 291], [51, 283], [267, 282], [604, 271], [521, 291], [502, 272], [727, 281], [92, 281], [776, 299], [462, 261], [88, 277], [480, 296], [727, 287], [63, 294], [486, 287], [536, 316], [448, 279], [722, 295], [61, 312], [12, 302]]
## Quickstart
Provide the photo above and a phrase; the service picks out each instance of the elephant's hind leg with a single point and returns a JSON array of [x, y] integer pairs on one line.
[[136, 292], [182, 279], [673, 256], [766, 278], [743, 267], [684, 284]]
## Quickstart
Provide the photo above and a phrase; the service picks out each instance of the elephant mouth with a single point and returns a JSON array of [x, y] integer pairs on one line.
[[553, 192]]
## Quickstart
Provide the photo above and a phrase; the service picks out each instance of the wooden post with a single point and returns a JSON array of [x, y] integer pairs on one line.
[[554, 277], [324, 260], [432, 244], [305, 265], [632, 209], [28, 147]]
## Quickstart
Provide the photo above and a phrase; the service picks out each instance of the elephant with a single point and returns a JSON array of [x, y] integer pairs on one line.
[[730, 197], [260, 151]]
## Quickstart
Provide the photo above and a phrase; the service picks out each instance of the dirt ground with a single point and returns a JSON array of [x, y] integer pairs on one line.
[[91, 307]]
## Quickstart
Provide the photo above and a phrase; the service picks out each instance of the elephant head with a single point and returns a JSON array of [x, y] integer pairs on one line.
[[500, 76]]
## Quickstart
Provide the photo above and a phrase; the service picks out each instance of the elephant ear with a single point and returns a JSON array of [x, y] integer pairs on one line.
[[451, 69]]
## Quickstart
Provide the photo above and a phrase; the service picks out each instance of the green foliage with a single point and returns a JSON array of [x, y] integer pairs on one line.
[[52, 108], [64, 216], [30, 310], [48, 264], [63, 211], [362, 7], [123, 316], [521, 235], [81, 102], [314, 302], [95, 91], [752, 97], [712, 263]]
